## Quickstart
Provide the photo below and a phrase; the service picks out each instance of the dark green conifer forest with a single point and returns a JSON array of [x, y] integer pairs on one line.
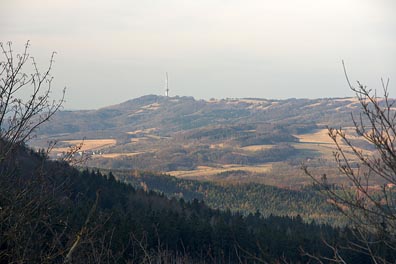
[[48, 207]]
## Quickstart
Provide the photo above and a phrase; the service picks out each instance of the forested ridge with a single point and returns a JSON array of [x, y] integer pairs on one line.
[[245, 198], [47, 206]]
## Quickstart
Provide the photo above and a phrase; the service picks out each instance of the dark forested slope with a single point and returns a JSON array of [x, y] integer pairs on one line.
[[309, 203], [50, 210]]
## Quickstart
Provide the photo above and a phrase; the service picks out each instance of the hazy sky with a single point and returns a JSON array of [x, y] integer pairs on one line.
[[112, 51]]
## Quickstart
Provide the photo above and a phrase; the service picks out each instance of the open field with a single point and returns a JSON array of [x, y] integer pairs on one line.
[[88, 144], [214, 146], [135, 140], [117, 155], [314, 146], [141, 131], [209, 172], [257, 147], [321, 142], [319, 136], [318, 141]]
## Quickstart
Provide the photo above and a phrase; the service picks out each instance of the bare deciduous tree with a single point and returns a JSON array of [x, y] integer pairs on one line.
[[20, 116], [370, 210], [26, 202], [32, 229]]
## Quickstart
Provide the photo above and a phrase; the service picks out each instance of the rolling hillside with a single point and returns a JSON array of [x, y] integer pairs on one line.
[[240, 140]]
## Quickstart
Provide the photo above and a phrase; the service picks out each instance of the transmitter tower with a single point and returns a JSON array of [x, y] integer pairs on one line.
[[166, 85]]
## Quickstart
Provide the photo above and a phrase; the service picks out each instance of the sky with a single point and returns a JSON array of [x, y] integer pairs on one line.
[[112, 51]]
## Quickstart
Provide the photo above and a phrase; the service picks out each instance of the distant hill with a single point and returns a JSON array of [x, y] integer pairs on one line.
[[167, 115], [246, 139]]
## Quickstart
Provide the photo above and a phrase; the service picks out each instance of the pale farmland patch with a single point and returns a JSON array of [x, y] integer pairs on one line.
[[204, 172], [321, 142], [135, 140], [255, 148], [142, 131], [88, 144], [313, 105], [217, 146], [319, 136], [118, 155], [353, 105], [348, 99], [265, 107], [254, 101], [154, 106], [318, 140]]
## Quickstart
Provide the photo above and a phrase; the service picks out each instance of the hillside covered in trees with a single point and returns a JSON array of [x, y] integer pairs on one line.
[[51, 211], [308, 203]]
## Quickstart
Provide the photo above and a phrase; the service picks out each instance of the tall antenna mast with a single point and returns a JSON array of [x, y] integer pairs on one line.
[[166, 85]]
